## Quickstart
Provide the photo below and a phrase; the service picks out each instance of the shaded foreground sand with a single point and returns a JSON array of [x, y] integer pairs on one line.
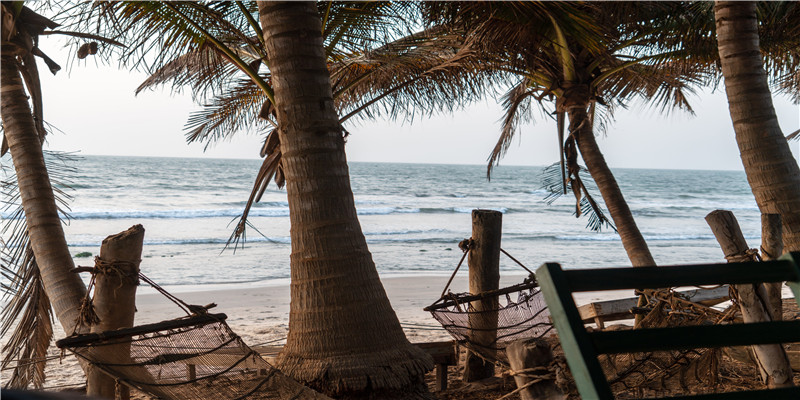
[[260, 314]]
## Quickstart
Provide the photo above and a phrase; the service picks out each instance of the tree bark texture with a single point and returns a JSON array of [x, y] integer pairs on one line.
[[632, 239], [344, 337], [772, 249], [64, 288], [484, 275], [771, 359], [529, 358], [114, 300], [772, 171]]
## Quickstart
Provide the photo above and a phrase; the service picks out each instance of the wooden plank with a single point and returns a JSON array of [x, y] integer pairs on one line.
[[689, 337], [613, 310], [578, 349], [91, 338], [480, 296], [586, 280]]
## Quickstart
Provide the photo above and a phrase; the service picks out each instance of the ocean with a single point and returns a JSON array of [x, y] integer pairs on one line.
[[413, 216]]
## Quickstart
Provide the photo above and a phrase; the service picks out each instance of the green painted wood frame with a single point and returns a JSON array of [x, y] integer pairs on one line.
[[581, 348]]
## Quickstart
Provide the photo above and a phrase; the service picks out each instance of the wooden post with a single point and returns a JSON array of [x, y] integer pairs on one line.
[[116, 278], [772, 249], [771, 359], [484, 275], [529, 357]]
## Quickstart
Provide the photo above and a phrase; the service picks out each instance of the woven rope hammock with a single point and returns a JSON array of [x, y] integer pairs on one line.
[[520, 312], [194, 357]]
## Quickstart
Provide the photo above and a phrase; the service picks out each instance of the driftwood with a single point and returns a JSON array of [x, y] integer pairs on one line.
[[601, 312], [484, 275], [771, 359], [529, 360], [116, 277], [771, 249]]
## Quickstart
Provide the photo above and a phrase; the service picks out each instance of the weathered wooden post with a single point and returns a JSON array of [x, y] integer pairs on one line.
[[116, 279], [771, 359], [772, 249], [484, 275], [529, 360]]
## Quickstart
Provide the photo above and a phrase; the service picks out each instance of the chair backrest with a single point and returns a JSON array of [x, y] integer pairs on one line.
[[581, 348]]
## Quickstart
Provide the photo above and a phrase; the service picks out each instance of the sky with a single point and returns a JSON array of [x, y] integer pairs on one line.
[[95, 112]]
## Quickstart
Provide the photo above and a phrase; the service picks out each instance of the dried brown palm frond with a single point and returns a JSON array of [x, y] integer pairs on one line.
[[551, 181], [517, 104], [201, 70], [27, 317]]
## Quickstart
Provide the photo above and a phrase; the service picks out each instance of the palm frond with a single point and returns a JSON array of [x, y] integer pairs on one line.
[[271, 168], [202, 70], [235, 110], [517, 106], [430, 71], [551, 181]]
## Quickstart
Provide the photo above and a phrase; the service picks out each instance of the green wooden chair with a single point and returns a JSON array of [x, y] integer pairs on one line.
[[581, 348]]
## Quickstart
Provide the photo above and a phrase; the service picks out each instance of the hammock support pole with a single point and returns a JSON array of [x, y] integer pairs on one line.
[[116, 275], [484, 275], [772, 249], [771, 359]]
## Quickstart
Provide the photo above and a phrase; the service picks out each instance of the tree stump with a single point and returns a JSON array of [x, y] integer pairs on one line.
[[116, 279], [484, 275], [772, 249], [771, 359], [530, 358]]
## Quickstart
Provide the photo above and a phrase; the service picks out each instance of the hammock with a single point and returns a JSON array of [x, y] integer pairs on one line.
[[194, 357], [522, 317]]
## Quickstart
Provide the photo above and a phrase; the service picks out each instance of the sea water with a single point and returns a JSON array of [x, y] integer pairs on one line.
[[413, 216]]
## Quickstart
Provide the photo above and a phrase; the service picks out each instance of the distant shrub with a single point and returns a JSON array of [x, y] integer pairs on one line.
[[83, 254]]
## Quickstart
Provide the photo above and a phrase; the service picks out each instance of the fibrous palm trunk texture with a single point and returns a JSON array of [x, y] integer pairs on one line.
[[344, 338], [64, 288], [632, 240], [771, 169]]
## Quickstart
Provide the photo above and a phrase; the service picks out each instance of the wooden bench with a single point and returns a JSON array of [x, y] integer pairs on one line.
[[443, 353], [614, 310], [581, 348]]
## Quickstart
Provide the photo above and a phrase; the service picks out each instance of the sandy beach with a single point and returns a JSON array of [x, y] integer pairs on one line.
[[260, 314]]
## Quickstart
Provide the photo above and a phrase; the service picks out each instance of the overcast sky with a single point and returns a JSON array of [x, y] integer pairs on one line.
[[97, 112]]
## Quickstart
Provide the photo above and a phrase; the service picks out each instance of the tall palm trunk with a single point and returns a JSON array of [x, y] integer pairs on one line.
[[344, 337], [632, 240], [771, 169], [65, 288]]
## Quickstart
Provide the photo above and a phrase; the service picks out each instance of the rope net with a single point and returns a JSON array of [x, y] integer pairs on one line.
[[676, 371], [197, 357], [526, 317]]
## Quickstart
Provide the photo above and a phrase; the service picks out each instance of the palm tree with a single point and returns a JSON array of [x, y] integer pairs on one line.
[[771, 169], [580, 67], [344, 337], [48, 264], [343, 333]]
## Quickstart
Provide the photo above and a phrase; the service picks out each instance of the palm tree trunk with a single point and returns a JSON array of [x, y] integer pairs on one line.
[[771, 169], [65, 288], [632, 240], [344, 337]]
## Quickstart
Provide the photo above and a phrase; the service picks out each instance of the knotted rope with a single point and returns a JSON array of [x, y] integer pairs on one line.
[[744, 256]]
